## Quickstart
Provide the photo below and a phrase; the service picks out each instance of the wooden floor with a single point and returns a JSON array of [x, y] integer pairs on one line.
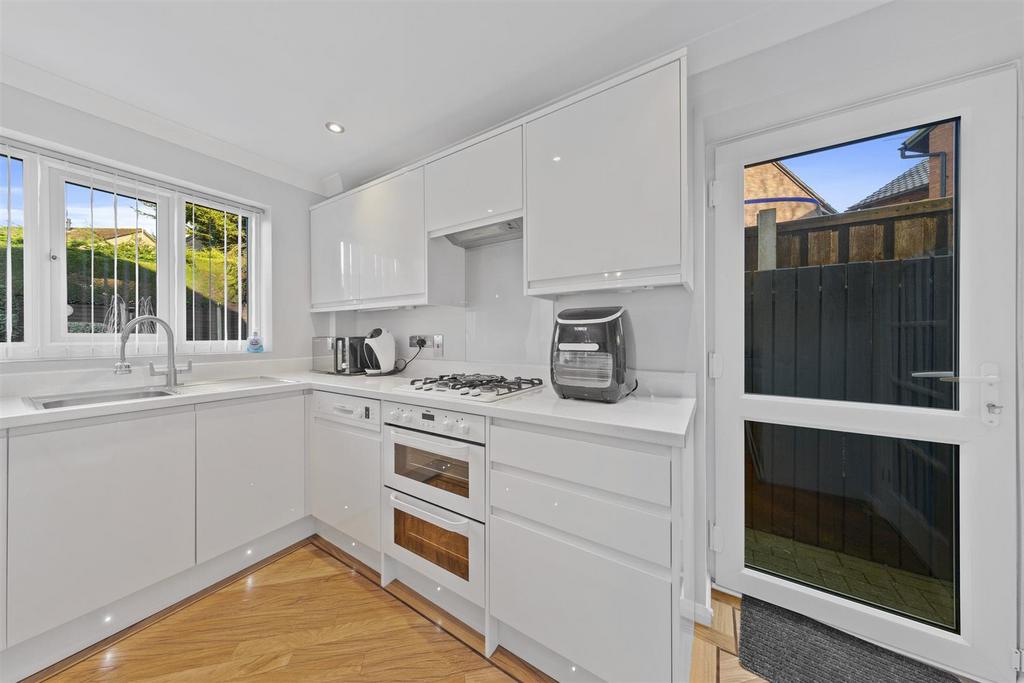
[[305, 617], [309, 617], [715, 647]]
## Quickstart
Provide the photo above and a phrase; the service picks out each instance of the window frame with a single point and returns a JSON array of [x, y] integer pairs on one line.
[[255, 285], [27, 348], [91, 344], [46, 167]]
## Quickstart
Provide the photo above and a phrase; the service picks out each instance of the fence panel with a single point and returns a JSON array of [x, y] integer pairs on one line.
[[856, 332]]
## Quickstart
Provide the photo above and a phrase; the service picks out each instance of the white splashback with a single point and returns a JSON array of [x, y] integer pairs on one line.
[[502, 326]]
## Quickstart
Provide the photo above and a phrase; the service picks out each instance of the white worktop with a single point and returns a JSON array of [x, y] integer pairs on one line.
[[660, 420]]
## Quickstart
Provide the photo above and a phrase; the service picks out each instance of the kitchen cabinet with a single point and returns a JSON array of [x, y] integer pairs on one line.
[[344, 479], [333, 266], [369, 250], [609, 617], [98, 509], [476, 185], [250, 470], [605, 188], [580, 550]]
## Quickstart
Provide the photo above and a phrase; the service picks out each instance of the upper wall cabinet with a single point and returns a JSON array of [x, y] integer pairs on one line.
[[477, 185], [368, 249], [605, 187]]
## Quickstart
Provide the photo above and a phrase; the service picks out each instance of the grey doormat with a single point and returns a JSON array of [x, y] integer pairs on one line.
[[786, 647]]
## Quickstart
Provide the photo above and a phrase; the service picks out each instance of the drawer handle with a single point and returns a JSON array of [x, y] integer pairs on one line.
[[453, 526], [345, 410]]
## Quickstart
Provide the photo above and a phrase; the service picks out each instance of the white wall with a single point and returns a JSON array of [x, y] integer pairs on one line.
[[28, 114], [503, 326]]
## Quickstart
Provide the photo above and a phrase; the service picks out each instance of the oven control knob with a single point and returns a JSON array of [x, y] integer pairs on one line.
[[406, 417], [446, 425], [463, 428], [393, 414]]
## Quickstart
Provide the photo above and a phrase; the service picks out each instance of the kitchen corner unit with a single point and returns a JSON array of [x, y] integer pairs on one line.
[[369, 249]]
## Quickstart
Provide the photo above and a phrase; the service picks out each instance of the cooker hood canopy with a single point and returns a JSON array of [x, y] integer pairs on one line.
[[502, 231]]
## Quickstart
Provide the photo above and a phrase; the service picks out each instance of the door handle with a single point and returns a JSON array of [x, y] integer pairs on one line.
[[948, 376], [987, 377], [450, 525]]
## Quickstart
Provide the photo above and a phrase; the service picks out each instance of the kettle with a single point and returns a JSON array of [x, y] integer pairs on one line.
[[379, 348]]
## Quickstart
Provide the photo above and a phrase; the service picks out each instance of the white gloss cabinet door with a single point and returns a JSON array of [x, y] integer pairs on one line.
[[334, 276], [474, 185], [386, 227], [604, 188], [250, 470], [344, 480], [609, 617], [96, 512]]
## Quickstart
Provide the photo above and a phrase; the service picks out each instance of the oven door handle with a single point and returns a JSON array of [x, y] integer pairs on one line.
[[459, 452], [451, 525]]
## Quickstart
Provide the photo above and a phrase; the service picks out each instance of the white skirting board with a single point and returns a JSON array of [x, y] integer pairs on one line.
[[39, 652], [465, 611], [368, 556]]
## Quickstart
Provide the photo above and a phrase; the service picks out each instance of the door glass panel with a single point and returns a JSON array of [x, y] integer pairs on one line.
[[447, 549], [447, 474], [870, 518], [850, 271]]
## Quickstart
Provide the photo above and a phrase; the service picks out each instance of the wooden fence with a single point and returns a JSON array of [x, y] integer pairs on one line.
[[855, 332], [889, 232]]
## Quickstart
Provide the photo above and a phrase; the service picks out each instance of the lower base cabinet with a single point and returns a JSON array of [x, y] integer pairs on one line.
[[344, 479], [250, 470], [606, 616], [97, 510]]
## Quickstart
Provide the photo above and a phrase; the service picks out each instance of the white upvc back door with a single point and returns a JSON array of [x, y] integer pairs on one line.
[[857, 482]]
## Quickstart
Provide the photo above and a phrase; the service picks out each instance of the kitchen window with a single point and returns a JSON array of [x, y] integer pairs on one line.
[[109, 239], [117, 245], [12, 241], [216, 285]]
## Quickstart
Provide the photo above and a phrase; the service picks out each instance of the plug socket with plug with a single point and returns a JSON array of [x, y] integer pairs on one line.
[[428, 341]]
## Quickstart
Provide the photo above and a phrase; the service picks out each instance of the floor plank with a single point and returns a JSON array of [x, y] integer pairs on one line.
[[305, 617]]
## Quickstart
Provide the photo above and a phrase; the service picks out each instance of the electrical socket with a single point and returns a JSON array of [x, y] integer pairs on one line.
[[432, 341]]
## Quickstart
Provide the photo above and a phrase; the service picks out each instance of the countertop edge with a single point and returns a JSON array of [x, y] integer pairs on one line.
[[674, 437]]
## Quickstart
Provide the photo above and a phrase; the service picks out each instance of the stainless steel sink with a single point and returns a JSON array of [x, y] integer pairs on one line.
[[93, 397]]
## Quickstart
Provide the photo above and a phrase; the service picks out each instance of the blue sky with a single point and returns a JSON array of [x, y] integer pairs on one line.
[[845, 175], [76, 201]]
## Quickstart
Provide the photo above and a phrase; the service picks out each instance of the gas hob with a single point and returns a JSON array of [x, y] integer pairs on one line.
[[477, 388]]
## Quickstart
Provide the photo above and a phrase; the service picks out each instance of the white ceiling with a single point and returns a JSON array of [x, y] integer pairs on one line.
[[254, 82]]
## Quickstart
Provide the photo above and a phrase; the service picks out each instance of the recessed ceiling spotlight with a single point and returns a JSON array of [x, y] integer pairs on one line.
[[334, 127]]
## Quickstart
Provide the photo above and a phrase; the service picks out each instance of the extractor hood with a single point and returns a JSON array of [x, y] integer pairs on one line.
[[493, 233]]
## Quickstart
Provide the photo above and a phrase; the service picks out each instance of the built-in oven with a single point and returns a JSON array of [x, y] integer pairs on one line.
[[434, 495], [445, 547], [436, 456]]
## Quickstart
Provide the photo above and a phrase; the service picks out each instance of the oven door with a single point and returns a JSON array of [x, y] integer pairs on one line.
[[446, 472], [445, 547]]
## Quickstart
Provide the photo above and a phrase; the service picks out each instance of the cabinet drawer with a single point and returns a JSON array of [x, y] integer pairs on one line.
[[633, 473], [610, 618], [632, 531]]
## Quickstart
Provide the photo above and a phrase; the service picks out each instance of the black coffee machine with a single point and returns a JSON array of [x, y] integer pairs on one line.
[[592, 354]]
